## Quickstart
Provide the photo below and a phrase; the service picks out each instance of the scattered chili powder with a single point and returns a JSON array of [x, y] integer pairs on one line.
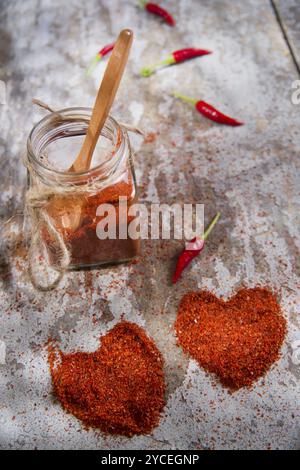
[[149, 138], [238, 340], [119, 388]]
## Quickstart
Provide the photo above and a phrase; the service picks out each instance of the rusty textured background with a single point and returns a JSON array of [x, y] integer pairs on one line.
[[250, 174]]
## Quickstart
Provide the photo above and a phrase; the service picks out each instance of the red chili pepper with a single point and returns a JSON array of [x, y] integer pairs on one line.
[[193, 248], [210, 112], [104, 51], [174, 58], [159, 11], [189, 53]]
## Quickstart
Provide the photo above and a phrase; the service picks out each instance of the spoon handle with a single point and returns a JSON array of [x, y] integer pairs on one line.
[[105, 97]]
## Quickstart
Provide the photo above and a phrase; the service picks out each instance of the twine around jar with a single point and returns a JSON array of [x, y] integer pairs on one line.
[[36, 200]]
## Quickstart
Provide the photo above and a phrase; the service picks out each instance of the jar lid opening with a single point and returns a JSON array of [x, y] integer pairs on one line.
[[60, 134]]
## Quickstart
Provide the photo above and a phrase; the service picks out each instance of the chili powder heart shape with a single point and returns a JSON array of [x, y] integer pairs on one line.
[[119, 388], [238, 340]]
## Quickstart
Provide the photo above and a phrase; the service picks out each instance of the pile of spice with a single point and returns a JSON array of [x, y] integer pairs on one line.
[[119, 388], [238, 340]]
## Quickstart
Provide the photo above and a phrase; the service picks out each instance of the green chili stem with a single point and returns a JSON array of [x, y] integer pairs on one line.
[[142, 3], [147, 71], [184, 98], [93, 64], [211, 225]]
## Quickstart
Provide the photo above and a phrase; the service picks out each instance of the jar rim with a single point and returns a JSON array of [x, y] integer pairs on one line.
[[118, 148]]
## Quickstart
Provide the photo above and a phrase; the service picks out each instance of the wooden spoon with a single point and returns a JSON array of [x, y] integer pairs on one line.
[[106, 95], [69, 213]]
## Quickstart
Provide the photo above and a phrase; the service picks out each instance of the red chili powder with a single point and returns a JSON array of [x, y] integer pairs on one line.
[[149, 138], [119, 388], [82, 241], [238, 340]]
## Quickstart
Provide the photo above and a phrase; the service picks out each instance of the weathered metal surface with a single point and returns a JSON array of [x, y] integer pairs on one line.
[[289, 14], [251, 174]]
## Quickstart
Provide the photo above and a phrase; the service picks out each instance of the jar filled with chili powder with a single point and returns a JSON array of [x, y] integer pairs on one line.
[[67, 209]]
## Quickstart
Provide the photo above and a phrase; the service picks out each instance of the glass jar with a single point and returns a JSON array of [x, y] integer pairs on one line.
[[66, 208]]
